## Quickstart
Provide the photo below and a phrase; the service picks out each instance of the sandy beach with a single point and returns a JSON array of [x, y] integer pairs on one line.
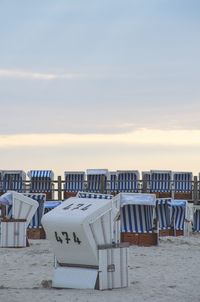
[[168, 272]]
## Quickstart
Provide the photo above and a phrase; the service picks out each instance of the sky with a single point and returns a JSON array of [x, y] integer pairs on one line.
[[100, 84]]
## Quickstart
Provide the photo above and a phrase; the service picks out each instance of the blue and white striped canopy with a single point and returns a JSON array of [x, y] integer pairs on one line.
[[41, 181], [128, 181], [160, 181], [182, 182], [36, 220], [163, 213], [74, 181], [41, 174]]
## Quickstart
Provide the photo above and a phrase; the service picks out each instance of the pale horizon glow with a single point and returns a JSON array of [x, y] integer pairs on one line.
[[139, 137]]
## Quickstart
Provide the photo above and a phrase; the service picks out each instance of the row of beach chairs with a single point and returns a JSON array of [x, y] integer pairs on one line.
[[171, 214], [162, 183]]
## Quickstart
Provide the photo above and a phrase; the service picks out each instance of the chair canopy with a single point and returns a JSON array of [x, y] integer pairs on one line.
[[40, 180], [182, 182], [163, 213], [128, 180], [137, 212], [74, 181], [97, 180], [36, 220], [160, 181], [13, 180]]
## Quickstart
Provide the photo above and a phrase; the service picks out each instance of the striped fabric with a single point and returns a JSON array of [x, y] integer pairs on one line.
[[13, 181], [74, 181], [36, 220], [113, 182], [93, 195], [41, 181], [136, 218], [161, 181], [128, 181], [196, 220], [182, 182], [163, 213], [178, 217], [96, 183]]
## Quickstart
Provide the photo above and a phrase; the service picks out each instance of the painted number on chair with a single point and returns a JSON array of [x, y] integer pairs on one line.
[[63, 237]]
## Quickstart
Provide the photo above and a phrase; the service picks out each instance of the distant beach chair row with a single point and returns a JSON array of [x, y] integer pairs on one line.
[[163, 183]]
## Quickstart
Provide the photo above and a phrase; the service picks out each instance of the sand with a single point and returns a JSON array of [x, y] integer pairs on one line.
[[169, 272]]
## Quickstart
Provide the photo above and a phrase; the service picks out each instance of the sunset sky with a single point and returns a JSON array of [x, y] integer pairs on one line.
[[100, 84]]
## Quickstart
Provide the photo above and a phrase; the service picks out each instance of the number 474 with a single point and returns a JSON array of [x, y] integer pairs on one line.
[[64, 237]]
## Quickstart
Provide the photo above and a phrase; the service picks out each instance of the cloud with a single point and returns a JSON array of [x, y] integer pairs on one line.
[[30, 75], [142, 137]]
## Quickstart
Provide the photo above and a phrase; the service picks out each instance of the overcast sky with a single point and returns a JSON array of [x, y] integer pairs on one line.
[[100, 84]]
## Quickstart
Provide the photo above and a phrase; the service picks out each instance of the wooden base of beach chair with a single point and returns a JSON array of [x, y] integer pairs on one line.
[[163, 233], [176, 233], [38, 233], [141, 239], [185, 196], [69, 194], [171, 232]]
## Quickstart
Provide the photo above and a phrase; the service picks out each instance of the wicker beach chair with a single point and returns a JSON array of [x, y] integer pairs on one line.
[[13, 180], [41, 181], [97, 180], [196, 218], [163, 216], [182, 185], [160, 183], [138, 218], [128, 181], [74, 182], [35, 229]]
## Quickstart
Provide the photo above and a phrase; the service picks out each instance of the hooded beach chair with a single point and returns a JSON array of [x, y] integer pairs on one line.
[[74, 182], [182, 185], [14, 226], [128, 181], [41, 181], [97, 180], [160, 183], [196, 218], [179, 214], [163, 216], [13, 180], [137, 217], [35, 229]]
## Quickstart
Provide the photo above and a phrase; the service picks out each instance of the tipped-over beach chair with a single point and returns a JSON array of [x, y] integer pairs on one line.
[[161, 183], [13, 180], [128, 181], [182, 185], [97, 180], [137, 217], [41, 181], [74, 182]]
